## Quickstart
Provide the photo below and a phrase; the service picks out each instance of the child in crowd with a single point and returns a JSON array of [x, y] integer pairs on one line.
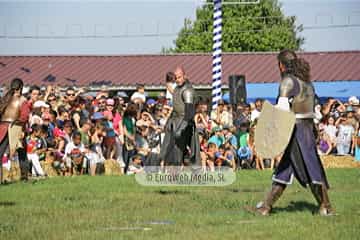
[[225, 157], [135, 165], [345, 135], [211, 156], [74, 156], [244, 151], [324, 145], [34, 150]]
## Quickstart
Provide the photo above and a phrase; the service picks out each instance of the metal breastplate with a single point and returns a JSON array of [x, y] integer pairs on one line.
[[178, 102], [12, 111], [304, 101]]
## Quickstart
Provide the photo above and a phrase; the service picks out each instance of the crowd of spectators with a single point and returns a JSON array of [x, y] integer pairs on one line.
[[78, 130]]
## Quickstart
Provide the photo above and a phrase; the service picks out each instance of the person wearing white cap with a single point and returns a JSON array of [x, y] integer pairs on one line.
[[353, 100], [38, 108]]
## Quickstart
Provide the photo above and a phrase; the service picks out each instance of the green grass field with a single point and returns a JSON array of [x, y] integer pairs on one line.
[[118, 208]]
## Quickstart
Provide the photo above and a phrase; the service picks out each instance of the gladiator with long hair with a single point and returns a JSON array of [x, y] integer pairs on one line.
[[294, 65], [15, 85]]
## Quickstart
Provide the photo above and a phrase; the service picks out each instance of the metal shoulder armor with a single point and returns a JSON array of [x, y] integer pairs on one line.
[[286, 87], [188, 95]]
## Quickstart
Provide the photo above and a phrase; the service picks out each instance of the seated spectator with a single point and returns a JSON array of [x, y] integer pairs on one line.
[[203, 149], [136, 165], [225, 157], [74, 155], [244, 151], [221, 116], [211, 156], [202, 119], [324, 145], [230, 137], [218, 137]]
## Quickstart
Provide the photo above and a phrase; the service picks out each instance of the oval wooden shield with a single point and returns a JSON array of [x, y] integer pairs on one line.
[[273, 131]]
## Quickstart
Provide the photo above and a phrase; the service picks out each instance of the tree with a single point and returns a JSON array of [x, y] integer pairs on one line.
[[246, 28]]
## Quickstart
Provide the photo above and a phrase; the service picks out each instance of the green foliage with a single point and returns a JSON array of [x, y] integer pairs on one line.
[[246, 28]]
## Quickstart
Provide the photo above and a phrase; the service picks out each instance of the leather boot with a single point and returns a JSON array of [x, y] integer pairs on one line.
[[320, 193], [264, 208]]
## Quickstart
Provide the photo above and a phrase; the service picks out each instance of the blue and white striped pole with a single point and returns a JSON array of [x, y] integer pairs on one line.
[[216, 70]]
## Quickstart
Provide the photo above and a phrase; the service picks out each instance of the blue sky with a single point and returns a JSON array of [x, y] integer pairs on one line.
[[136, 22]]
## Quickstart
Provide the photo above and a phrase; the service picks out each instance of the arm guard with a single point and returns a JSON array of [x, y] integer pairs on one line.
[[188, 98]]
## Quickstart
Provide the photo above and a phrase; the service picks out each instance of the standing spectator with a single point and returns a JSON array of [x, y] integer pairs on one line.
[[63, 116], [258, 107], [142, 144], [351, 116], [97, 134], [84, 132], [69, 98], [109, 142], [357, 146], [243, 112], [33, 149], [39, 107], [129, 126], [331, 130], [53, 101], [318, 116], [34, 95], [170, 87], [139, 97], [113, 107], [345, 135], [77, 113]]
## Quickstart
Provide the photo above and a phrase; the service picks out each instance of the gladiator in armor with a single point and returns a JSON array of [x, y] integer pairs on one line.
[[300, 158], [14, 112], [181, 142]]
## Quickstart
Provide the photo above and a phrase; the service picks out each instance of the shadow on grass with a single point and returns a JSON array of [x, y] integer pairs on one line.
[[169, 192], [297, 207], [7, 204], [246, 190]]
